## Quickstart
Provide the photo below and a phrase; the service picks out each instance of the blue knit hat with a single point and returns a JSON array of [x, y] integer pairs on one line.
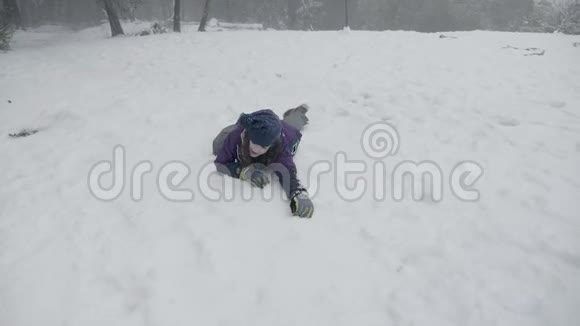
[[263, 127]]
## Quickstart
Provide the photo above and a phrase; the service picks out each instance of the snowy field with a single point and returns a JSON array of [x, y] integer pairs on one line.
[[510, 258]]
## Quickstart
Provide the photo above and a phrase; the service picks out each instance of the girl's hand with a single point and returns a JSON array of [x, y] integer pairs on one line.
[[256, 174], [301, 205]]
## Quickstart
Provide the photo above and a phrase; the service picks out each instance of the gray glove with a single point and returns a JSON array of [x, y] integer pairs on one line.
[[256, 174], [297, 117], [301, 205]]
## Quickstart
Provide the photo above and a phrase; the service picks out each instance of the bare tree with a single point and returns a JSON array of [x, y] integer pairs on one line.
[[229, 15], [568, 16], [116, 28], [128, 8], [177, 16], [346, 24], [203, 21], [12, 12], [292, 8], [6, 31]]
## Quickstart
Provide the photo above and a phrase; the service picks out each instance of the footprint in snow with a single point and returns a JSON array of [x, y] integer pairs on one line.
[[557, 104], [508, 122], [366, 95]]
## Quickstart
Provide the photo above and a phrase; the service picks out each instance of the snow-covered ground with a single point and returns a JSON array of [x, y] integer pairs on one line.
[[510, 258]]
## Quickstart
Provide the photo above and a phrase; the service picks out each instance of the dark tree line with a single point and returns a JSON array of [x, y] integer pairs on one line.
[[419, 15]]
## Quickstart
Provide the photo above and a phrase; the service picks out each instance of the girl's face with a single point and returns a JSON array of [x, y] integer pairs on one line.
[[257, 150]]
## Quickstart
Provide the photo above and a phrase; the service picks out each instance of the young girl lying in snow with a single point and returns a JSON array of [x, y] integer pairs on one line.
[[259, 144]]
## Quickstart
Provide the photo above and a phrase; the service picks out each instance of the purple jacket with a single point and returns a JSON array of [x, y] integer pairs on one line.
[[228, 160]]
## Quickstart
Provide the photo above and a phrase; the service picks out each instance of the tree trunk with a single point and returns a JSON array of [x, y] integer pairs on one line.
[[177, 16], [292, 7], [229, 16], [116, 28], [203, 21], [13, 13], [346, 23]]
